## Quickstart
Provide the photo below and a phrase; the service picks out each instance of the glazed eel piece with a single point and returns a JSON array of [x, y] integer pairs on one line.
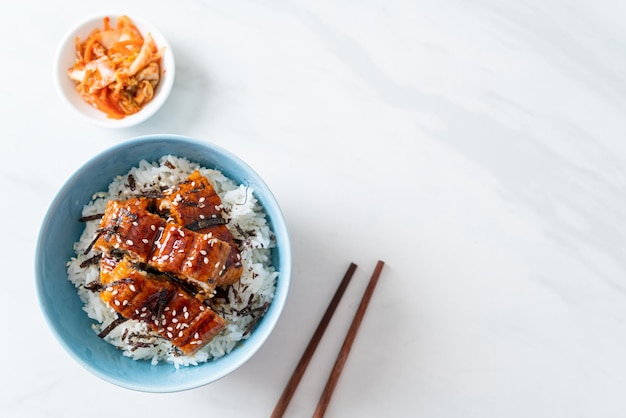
[[196, 205], [128, 227], [164, 305]]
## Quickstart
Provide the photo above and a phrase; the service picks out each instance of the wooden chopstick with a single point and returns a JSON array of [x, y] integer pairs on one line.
[[292, 384], [347, 344]]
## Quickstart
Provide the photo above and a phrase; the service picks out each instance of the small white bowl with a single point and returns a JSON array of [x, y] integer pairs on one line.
[[65, 58]]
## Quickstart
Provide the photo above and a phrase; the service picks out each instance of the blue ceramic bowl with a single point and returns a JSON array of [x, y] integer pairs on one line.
[[58, 298]]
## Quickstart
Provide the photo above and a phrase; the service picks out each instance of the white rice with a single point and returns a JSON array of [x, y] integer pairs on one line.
[[247, 300]]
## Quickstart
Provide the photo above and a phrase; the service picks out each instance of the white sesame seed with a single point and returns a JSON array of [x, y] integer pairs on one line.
[[145, 241], [202, 199], [117, 302], [203, 252], [135, 223], [114, 292], [196, 335], [174, 320], [132, 288], [129, 242], [206, 260], [153, 227], [169, 335], [201, 216], [217, 264], [186, 315], [182, 233]]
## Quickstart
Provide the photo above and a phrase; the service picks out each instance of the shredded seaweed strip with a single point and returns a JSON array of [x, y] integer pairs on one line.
[[204, 223], [118, 321], [245, 200], [91, 217], [257, 314], [108, 231], [94, 286], [131, 182], [90, 261], [150, 194], [93, 241]]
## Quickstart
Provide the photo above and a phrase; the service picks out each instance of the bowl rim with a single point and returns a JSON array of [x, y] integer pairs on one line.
[[98, 118], [270, 318]]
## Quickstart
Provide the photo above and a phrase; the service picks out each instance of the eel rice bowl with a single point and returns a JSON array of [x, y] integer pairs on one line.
[[238, 306]]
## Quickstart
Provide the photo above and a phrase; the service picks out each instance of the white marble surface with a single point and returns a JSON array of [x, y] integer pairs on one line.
[[478, 148]]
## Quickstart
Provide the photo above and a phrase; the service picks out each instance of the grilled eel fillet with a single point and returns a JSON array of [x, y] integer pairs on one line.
[[161, 303], [196, 205], [199, 259]]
